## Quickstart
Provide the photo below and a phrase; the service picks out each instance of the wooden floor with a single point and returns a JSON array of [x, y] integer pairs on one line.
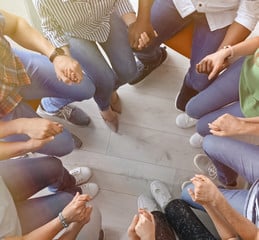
[[148, 146]]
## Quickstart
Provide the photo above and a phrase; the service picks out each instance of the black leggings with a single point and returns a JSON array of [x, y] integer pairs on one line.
[[180, 218]]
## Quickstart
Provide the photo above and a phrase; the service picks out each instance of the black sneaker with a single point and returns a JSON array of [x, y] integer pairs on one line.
[[182, 98], [149, 67]]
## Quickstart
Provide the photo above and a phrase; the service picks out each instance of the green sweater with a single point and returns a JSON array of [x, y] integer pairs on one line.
[[249, 86]]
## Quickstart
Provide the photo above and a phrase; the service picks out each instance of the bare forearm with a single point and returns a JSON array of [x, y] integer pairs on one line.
[[235, 34], [144, 9], [13, 149], [22, 33], [249, 126], [242, 226], [223, 227]]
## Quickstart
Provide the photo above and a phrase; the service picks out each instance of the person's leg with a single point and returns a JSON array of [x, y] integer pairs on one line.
[[163, 229], [184, 221], [119, 52], [166, 22], [204, 42], [231, 158], [224, 90], [26, 176], [44, 83], [94, 64], [235, 197], [36, 212], [53, 148], [202, 124]]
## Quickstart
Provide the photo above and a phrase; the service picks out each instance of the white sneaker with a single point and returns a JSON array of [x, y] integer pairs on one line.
[[148, 203], [160, 193], [184, 121], [196, 140], [90, 189], [81, 174], [205, 166]]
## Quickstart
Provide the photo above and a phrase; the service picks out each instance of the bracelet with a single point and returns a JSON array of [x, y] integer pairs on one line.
[[63, 220], [231, 51]]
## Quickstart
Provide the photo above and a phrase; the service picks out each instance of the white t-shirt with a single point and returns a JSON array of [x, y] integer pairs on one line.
[[9, 221], [221, 13]]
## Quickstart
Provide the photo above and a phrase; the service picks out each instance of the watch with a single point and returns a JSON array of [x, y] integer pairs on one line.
[[55, 53]]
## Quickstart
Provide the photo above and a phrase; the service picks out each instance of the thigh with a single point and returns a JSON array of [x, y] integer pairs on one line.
[[184, 221], [202, 125], [44, 82], [163, 229], [26, 176], [204, 42], [94, 63], [224, 90], [119, 51], [36, 212], [237, 155]]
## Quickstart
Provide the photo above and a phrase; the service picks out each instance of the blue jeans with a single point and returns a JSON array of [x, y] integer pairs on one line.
[[103, 78], [167, 22], [212, 102], [231, 158], [26, 176]]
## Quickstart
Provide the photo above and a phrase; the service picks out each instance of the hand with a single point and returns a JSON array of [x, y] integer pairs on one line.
[[68, 69], [213, 64], [40, 128], [226, 125], [132, 235], [145, 227], [77, 210], [140, 34], [205, 191]]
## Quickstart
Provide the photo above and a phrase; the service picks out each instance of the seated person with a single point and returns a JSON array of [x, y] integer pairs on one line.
[[163, 217], [23, 217], [234, 91], [26, 75]]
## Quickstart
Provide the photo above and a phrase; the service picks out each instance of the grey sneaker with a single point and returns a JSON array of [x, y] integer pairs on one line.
[[160, 193], [81, 174], [90, 189], [70, 113], [205, 166], [196, 140], [148, 203]]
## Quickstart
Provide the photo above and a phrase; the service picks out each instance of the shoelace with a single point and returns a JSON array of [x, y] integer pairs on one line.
[[212, 171], [65, 112], [76, 174]]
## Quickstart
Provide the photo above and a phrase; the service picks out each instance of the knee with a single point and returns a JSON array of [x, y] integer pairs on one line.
[[194, 108], [209, 144], [202, 127]]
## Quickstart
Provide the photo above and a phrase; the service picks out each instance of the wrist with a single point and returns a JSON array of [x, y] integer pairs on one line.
[[63, 220], [229, 51]]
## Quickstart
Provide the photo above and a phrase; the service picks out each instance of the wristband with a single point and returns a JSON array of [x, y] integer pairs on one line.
[[63, 220], [231, 51]]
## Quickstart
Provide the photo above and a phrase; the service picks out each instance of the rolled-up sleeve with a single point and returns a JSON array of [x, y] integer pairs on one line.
[[247, 15], [124, 7], [50, 28]]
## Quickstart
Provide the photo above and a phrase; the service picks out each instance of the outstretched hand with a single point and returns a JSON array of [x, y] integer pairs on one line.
[[68, 69], [205, 191], [77, 210], [141, 34], [213, 64], [225, 125]]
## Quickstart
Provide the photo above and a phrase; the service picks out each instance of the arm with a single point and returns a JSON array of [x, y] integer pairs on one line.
[[216, 62], [228, 125], [141, 25], [40, 131], [210, 197], [18, 30], [76, 213]]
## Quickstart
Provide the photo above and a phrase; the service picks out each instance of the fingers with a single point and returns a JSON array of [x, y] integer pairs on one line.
[[133, 223]]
